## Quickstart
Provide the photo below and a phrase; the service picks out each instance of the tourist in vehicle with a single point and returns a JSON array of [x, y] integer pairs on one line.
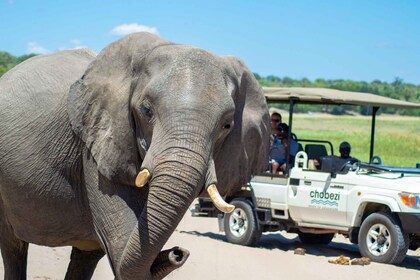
[[276, 147], [339, 163], [284, 135], [336, 163], [279, 148], [275, 121], [345, 150]]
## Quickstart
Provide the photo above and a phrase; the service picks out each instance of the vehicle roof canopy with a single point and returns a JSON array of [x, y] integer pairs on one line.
[[333, 96]]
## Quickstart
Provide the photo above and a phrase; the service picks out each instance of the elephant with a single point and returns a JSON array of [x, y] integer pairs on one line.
[[105, 153]]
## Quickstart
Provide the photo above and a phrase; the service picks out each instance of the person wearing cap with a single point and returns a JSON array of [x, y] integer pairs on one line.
[[294, 147], [345, 157], [337, 162], [279, 148], [345, 150]]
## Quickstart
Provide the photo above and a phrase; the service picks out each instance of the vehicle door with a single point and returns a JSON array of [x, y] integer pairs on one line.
[[317, 197]]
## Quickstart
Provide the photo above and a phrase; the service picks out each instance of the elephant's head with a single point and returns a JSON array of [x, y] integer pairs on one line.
[[173, 119]]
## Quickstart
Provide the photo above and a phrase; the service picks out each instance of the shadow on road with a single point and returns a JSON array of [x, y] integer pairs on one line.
[[211, 235], [277, 241]]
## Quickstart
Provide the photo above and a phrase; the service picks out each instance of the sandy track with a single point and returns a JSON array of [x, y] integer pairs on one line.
[[214, 258]]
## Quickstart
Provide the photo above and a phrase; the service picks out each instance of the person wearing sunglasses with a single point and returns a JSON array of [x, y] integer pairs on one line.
[[275, 121], [277, 148]]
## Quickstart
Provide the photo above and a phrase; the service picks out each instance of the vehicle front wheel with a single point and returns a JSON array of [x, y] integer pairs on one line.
[[382, 239], [311, 238], [241, 226]]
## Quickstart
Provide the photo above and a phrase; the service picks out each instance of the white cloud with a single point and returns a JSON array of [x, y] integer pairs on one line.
[[77, 44], [34, 47], [125, 29]]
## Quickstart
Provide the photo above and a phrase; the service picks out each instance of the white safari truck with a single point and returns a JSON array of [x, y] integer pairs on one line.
[[375, 206]]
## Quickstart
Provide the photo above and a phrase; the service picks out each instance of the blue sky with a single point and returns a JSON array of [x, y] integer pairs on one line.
[[357, 40]]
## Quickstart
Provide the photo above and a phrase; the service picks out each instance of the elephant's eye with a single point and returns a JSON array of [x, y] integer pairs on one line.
[[147, 111], [228, 126]]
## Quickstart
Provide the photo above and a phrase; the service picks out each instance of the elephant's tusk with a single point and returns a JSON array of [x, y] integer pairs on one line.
[[218, 201], [142, 178]]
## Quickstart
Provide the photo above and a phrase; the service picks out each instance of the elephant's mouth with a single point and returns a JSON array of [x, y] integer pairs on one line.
[[144, 176]]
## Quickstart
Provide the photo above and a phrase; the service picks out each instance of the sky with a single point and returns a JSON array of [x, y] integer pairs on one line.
[[355, 40]]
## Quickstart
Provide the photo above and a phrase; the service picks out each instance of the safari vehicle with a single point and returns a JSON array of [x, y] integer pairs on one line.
[[375, 206]]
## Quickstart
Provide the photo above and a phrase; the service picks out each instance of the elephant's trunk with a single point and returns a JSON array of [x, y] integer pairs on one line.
[[144, 175], [167, 261], [172, 188]]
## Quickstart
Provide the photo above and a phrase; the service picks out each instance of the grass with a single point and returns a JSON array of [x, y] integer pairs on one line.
[[397, 138]]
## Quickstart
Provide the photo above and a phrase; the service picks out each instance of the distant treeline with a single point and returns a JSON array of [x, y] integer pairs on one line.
[[397, 89], [8, 61]]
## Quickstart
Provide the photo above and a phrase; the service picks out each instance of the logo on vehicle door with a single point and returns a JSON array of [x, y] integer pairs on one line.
[[324, 198]]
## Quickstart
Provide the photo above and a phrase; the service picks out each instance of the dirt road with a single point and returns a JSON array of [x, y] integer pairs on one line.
[[213, 258]]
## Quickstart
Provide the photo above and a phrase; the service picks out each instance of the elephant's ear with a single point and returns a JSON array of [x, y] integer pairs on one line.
[[245, 151], [99, 106]]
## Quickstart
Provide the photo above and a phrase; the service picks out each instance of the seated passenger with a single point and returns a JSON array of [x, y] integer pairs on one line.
[[276, 149], [279, 147], [345, 150], [334, 163], [275, 121]]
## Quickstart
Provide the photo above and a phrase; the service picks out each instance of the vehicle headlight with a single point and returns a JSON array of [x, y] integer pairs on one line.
[[410, 199]]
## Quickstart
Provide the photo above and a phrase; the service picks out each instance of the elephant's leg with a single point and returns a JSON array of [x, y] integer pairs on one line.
[[13, 251], [82, 264], [15, 256]]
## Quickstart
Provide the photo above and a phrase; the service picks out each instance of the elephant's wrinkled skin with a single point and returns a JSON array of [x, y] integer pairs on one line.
[[76, 129]]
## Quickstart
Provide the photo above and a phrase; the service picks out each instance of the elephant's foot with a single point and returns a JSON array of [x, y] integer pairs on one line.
[[167, 261]]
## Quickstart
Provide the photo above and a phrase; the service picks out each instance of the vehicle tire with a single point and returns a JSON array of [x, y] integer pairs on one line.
[[241, 226], [311, 238], [382, 239]]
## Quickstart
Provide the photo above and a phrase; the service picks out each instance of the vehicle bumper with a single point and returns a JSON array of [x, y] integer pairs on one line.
[[410, 222]]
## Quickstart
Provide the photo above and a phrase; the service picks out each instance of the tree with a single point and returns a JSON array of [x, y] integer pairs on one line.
[[397, 90], [8, 61], [2, 70]]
